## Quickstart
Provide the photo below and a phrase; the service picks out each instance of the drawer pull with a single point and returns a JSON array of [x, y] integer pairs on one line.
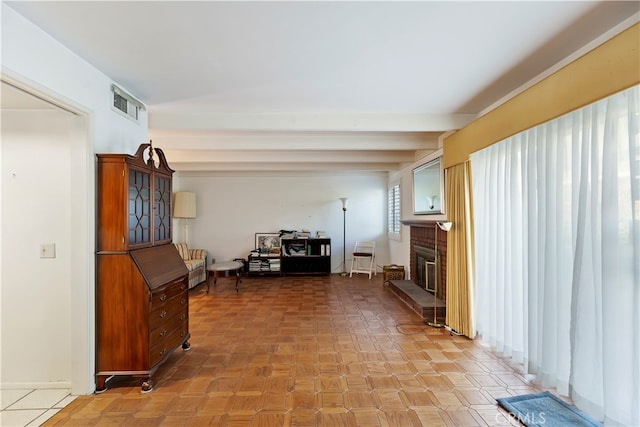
[[182, 334], [163, 314], [183, 301], [183, 316], [183, 287], [163, 333], [163, 297], [163, 351]]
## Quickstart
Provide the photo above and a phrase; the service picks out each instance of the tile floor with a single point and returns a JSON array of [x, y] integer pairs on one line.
[[310, 351], [31, 407]]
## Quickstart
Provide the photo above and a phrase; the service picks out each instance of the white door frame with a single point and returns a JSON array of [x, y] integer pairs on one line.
[[82, 239]]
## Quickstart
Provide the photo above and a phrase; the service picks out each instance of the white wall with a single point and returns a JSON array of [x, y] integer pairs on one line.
[[34, 61], [231, 209]]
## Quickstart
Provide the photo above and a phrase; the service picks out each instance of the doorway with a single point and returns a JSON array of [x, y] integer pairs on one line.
[[46, 280]]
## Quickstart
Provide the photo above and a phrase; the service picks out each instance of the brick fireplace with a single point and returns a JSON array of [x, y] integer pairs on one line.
[[422, 236]]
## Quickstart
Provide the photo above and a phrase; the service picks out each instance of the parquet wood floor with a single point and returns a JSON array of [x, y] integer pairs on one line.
[[310, 351]]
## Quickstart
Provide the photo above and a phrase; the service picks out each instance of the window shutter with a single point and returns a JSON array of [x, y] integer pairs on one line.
[[394, 209]]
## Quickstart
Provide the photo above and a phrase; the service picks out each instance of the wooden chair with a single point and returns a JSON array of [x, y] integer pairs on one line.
[[363, 258]]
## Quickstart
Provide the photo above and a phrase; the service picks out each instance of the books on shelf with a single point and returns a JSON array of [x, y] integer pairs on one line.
[[264, 265], [256, 253], [325, 249], [303, 234]]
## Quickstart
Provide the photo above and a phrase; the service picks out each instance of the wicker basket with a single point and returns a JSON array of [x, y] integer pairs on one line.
[[392, 272]]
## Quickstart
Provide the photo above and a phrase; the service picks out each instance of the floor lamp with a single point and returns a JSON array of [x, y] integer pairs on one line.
[[344, 235], [184, 206], [445, 226]]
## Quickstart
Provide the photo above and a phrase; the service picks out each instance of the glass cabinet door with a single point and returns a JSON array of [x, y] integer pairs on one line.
[[162, 209], [139, 221]]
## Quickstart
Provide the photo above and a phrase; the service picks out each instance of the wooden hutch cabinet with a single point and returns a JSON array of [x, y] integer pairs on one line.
[[142, 299], [134, 200]]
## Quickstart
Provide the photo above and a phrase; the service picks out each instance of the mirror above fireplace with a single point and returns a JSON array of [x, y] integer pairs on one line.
[[428, 188]]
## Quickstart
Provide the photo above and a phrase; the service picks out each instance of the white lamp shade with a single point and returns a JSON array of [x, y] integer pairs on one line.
[[446, 226], [184, 205], [344, 202]]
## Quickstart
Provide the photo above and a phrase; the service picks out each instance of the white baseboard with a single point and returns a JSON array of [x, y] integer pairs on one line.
[[35, 385]]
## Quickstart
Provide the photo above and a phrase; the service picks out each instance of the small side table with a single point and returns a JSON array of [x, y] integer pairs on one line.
[[221, 268]]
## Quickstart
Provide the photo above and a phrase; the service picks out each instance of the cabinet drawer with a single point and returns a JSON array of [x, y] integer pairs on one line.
[[178, 302], [177, 337], [163, 329], [162, 312], [166, 292], [167, 344], [158, 352]]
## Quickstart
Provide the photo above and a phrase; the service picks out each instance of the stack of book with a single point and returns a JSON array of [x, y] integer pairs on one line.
[[304, 234], [274, 264], [255, 264], [264, 265]]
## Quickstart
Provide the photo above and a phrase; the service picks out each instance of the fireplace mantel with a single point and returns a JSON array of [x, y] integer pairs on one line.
[[418, 223]]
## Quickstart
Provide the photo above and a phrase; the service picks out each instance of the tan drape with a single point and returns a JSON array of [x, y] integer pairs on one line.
[[460, 274]]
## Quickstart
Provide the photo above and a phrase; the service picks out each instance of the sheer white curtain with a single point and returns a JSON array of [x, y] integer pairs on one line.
[[557, 233]]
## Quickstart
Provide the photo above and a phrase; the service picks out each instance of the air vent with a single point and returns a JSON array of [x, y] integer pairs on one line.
[[125, 103]]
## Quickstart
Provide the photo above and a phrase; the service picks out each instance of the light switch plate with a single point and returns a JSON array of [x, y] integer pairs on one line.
[[48, 250]]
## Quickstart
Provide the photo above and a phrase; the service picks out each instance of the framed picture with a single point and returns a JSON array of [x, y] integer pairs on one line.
[[268, 243], [428, 188]]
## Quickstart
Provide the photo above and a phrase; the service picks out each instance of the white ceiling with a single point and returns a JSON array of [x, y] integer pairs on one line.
[[324, 85]]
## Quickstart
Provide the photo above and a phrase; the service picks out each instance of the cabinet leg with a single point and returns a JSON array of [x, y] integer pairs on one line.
[[186, 346], [147, 385], [101, 383]]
